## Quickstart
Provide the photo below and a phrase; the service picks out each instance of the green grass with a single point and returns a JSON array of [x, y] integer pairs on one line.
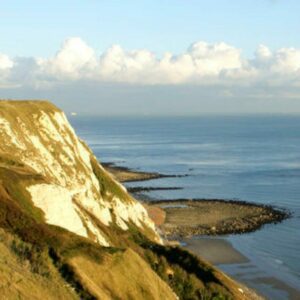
[[190, 277], [15, 185], [108, 184]]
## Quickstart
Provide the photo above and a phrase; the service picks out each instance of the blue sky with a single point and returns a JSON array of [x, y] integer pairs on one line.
[[37, 28], [231, 56]]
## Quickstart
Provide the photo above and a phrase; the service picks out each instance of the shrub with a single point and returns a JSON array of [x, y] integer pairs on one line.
[[37, 257]]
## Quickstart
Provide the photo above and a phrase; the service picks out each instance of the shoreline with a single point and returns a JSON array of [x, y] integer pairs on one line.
[[139, 189], [125, 174], [221, 252], [214, 249], [177, 218]]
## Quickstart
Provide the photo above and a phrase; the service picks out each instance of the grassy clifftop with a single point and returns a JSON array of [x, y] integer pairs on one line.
[[29, 106]]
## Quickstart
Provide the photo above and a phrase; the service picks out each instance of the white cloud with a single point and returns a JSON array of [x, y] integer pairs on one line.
[[74, 60], [5, 62], [122, 66], [263, 53], [200, 61], [211, 60], [6, 65], [287, 61], [202, 64]]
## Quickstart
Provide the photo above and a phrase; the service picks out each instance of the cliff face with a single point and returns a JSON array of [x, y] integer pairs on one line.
[[73, 190], [68, 230], [62, 211]]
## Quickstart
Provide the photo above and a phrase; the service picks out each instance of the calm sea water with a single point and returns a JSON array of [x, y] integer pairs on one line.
[[253, 158]]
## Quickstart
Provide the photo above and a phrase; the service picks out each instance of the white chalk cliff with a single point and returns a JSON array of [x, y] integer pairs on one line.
[[73, 190]]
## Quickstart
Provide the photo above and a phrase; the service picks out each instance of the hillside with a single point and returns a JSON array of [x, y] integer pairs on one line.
[[72, 231]]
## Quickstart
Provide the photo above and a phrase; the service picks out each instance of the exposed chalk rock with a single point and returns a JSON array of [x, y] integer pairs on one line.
[[71, 194]]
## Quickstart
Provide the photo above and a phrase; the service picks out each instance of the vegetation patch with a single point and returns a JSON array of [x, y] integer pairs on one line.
[[188, 277]]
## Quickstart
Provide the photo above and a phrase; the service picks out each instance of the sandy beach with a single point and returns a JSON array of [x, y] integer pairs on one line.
[[215, 250], [222, 254]]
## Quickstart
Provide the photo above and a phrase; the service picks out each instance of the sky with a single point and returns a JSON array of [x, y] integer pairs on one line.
[[179, 57]]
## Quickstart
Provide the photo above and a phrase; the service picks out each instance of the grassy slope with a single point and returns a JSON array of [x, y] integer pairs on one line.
[[124, 275], [19, 281]]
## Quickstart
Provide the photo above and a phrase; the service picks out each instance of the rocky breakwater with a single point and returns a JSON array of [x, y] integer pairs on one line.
[[185, 217]]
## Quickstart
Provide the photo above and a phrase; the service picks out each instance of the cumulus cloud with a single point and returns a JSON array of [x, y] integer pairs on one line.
[[201, 64], [210, 60], [287, 61], [74, 60], [263, 53], [5, 62], [117, 64]]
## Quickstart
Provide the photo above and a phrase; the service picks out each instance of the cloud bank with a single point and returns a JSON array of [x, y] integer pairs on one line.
[[202, 64]]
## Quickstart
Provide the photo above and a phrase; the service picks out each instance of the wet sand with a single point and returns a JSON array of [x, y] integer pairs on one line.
[[214, 250], [220, 253], [277, 289]]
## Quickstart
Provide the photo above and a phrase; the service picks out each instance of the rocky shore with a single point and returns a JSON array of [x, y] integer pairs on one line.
[[124, 174], [140, 189], [179, 218], [184, 218]]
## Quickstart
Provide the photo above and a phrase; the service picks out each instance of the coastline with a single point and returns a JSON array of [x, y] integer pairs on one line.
[[125, 174], [177, 218], [223, 253]]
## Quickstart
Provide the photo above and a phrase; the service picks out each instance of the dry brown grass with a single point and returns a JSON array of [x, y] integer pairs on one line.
[[122, 276], [18, 281]]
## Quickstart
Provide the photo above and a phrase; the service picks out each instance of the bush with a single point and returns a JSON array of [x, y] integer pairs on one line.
[[36, 256]]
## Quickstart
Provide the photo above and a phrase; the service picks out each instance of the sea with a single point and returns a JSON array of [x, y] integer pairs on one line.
[[255, 158]]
